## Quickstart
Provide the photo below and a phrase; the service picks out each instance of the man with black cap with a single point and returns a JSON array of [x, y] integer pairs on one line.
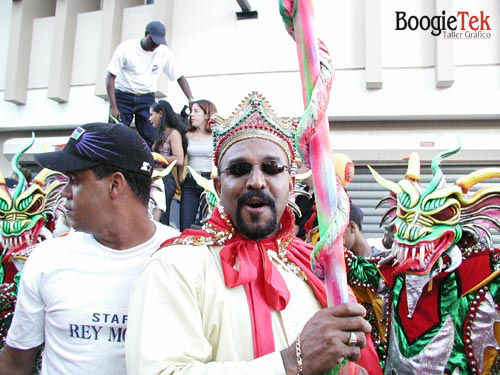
[[74, 290], [133, 74]]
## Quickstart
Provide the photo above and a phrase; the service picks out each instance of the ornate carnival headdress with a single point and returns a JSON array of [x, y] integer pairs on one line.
[[253, 118]]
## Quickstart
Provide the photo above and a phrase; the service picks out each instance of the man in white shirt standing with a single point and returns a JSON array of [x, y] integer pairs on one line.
[[74, 290], [133, 74]]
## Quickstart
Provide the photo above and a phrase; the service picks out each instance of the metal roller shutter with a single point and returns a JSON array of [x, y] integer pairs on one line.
[[366, 193]]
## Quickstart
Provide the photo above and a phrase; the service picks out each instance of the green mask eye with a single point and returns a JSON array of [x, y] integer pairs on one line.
[[4, 206], [33, 206], [446, 214], [432, 204], [25, 203], [405, 200]]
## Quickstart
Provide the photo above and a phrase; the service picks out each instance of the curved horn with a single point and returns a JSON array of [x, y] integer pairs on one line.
[[3, 183], [164, 172], [466, 182], [303, 176], [392, 186], [42, 175], [15, 168], [438, 178], [159, 158], [413, 172]]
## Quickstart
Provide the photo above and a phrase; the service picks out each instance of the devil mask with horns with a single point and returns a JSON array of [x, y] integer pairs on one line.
[[442, 296], [28, 213], [430, 221]]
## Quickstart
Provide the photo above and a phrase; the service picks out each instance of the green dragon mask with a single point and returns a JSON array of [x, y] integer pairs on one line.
[[430, 221], [27, 212]]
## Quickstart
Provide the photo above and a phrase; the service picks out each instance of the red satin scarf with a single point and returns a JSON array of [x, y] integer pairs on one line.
[[264, 287]]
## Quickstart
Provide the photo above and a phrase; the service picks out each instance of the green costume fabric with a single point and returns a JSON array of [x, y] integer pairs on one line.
[[442, 300]]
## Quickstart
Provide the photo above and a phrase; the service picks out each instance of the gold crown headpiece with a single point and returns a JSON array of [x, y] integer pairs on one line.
[[253, 118]]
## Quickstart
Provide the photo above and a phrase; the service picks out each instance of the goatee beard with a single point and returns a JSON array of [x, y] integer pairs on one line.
[[256, 232]]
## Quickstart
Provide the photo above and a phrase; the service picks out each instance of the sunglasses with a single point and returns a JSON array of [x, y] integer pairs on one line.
[[270, 168]]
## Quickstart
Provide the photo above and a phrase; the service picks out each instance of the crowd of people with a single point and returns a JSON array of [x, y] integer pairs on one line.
[[131, 83], [190, 309], [125, 294]]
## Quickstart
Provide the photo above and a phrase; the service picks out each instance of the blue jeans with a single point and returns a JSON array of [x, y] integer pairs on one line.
[[190, 201], [131, 105], [170, 187]]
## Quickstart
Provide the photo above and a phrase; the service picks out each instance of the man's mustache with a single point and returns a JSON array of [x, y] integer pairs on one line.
[[258, 194]]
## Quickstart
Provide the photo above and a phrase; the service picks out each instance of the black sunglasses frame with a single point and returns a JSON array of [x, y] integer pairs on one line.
[[269, 168]]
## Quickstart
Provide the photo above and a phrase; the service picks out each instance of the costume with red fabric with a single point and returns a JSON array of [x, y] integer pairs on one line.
[[245, 262], [442, 307], [28, 212]]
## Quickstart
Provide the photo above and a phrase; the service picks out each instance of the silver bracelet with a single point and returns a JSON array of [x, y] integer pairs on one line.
[[298, 353]]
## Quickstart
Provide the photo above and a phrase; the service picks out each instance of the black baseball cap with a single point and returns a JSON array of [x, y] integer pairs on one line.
[[98, 143], [356, 215], [157, 31]]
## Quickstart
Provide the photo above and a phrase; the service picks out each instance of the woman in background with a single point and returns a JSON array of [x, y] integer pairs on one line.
[[199, 151], [171, 143]]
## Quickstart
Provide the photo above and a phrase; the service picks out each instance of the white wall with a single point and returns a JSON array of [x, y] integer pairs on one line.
[[480, 52], [135, 20], [41, 47], [87, 34], [224, 59], [390, 142], [406, 48], [5, 10], [233, 57], [42, 113]]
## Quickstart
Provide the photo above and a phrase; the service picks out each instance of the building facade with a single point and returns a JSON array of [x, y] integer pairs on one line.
[[405, 79]]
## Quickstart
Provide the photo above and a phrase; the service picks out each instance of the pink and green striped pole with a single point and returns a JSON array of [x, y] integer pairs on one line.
[[313, 141]]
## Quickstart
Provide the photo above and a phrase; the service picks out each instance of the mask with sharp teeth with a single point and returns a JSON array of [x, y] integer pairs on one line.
[[25, 211], [27, 214], [430, 220]]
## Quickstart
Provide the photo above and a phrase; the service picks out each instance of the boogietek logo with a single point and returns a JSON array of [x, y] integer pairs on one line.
[[463, 25]]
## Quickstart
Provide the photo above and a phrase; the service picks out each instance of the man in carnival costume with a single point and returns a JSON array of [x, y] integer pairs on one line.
[[73, 294], [441, 310], [239, 296]]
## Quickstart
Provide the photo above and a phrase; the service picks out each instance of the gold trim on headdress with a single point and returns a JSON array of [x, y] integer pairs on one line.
[[253, 118]]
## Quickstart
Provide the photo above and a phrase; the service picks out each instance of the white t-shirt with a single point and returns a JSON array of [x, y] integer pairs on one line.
[[73, 296], [137, 70]]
